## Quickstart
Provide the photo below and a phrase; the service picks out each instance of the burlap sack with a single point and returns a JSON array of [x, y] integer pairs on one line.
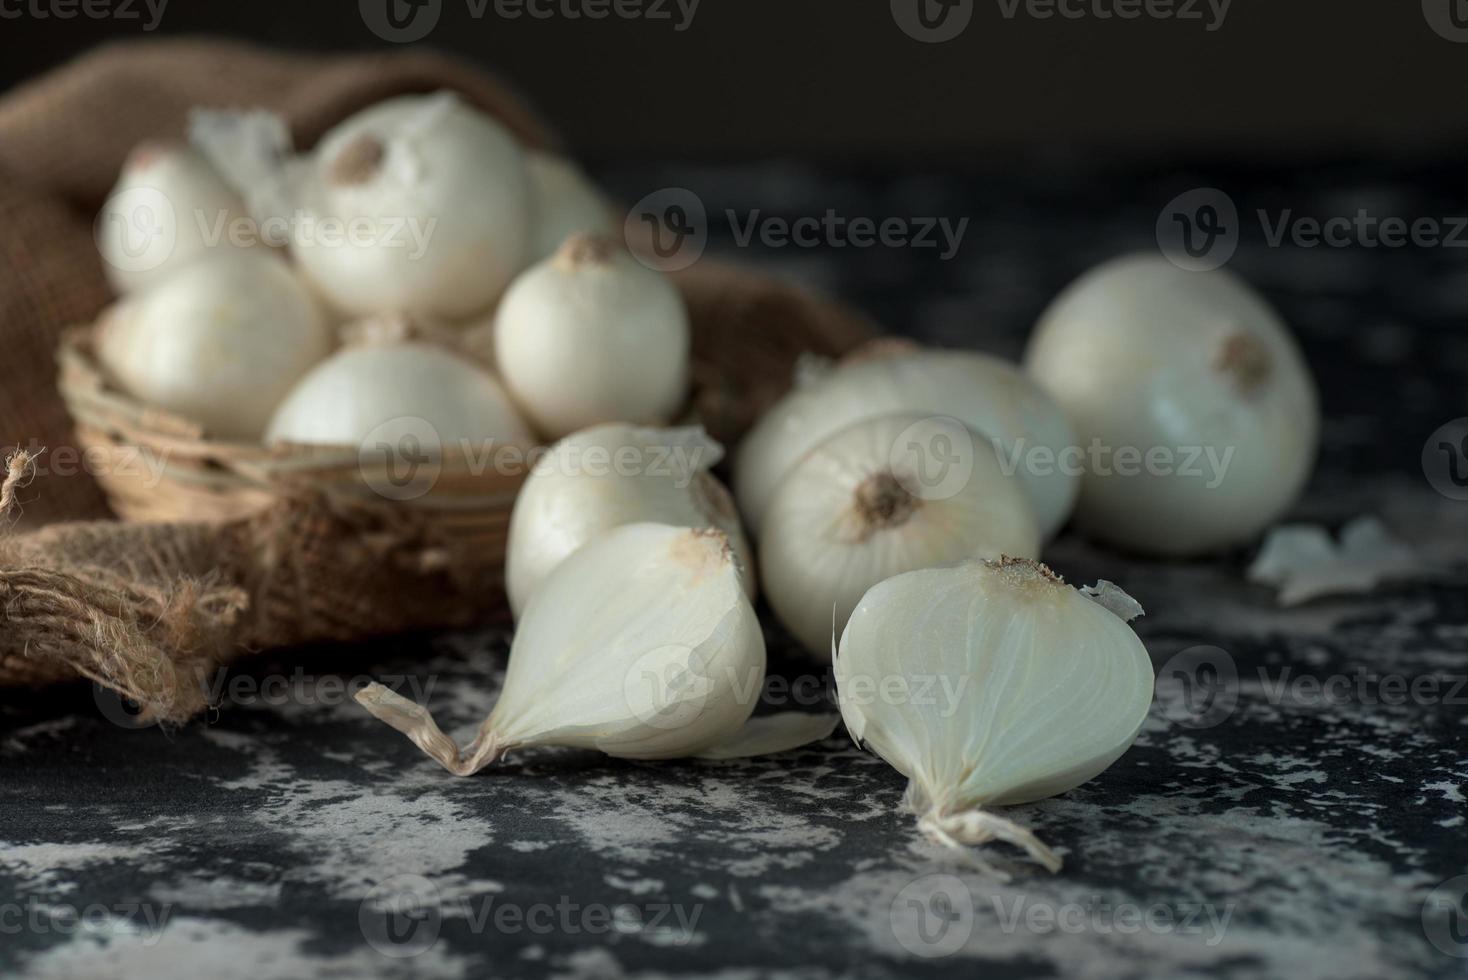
[[143, 608]]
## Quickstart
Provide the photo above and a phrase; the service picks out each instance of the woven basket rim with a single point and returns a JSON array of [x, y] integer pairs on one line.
[[96, 405]]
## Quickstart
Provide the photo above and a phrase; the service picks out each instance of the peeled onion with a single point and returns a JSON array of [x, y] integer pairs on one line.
[[607, 476], [221, 341], [641, 645], [1196, 369], [991, 683]]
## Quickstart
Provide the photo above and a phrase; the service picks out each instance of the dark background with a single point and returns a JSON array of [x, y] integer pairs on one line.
[[839, 79]]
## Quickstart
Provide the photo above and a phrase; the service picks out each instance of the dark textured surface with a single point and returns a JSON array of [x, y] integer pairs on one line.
[[1281, 832]]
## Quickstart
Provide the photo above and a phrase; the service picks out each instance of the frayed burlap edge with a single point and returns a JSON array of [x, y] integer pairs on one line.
[[151, 642]]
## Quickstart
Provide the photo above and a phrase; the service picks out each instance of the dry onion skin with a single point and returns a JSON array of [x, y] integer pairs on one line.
[[987, 394], [857, 510], [991, 683], [170, 199], [1194, 366], [221, 341], [592, 335], [609, 475], [641, 645], [399, 390]]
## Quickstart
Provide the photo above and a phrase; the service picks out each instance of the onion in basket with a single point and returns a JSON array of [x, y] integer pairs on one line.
[[219, 342], [168, 208], [420, 204], [592, 335], [388, 391], [566, 202]]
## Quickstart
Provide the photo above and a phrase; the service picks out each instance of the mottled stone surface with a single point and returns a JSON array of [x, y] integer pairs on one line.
[[1262, 826]]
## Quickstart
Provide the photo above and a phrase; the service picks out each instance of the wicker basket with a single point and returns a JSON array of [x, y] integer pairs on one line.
[[182, 475]]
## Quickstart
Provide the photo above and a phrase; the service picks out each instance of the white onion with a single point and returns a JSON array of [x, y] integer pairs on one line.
[[565, 202], [168, 208], [419, 204], [1196, 368], [388, 391], [859, 509], [641, 645], [987, 394], [221, 341], [989, 684], [611, 475], [591, 335]]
